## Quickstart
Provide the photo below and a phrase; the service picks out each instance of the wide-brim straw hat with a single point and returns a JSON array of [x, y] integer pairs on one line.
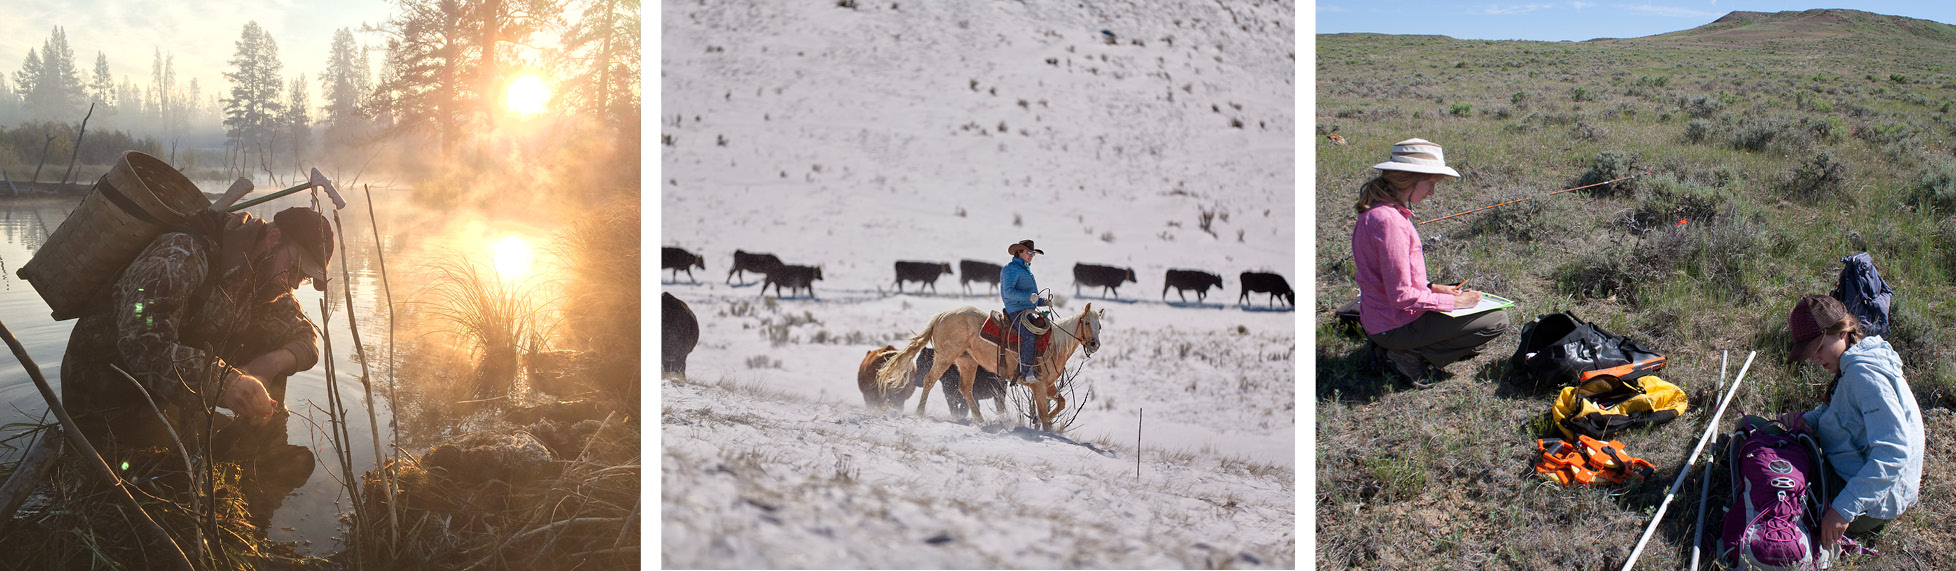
[[1417, 155], [1021, 246]]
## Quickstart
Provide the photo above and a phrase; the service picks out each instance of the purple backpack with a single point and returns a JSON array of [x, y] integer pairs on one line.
[[1771, 523]]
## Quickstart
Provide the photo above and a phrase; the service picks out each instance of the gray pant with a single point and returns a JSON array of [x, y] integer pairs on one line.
[[1441, 339], [1863, 523]]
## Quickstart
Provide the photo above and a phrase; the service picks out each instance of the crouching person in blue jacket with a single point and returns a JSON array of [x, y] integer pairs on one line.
[[1870, 429], [1021, 294]]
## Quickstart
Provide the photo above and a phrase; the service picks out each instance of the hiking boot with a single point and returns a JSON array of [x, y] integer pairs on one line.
[[1409, 365]]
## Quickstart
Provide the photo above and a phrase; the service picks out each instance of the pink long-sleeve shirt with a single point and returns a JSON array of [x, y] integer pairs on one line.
[[1391, 270]]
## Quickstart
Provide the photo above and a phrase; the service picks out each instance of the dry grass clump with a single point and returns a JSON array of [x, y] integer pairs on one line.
[[602, 308], [71, 524], [497, 320], [559, 493]]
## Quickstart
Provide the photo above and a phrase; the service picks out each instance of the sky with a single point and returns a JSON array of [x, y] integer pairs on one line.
[[1574, 20], [202, 35]]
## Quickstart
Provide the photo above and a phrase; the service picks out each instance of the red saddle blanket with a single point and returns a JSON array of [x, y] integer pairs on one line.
[[993, 333]]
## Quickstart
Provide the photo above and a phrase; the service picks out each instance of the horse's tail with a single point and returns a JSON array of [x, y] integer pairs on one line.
[[893, 375]]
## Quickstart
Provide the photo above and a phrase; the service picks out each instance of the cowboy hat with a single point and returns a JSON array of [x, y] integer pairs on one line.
[[1022, 246]]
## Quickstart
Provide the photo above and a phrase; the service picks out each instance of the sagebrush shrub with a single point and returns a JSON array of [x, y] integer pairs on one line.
[[1819, 176], [1611, 165], [1697, 131], [1935, 189]]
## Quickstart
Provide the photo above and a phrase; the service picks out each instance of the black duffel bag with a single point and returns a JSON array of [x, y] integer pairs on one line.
[[1559, 349]]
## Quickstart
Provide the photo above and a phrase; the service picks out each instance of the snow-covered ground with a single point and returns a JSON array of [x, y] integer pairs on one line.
[[851, 138]]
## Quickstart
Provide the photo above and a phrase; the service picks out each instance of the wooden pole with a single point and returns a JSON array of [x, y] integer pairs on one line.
[[366, 385], [1137, 441], [68, 177], [44, 158]]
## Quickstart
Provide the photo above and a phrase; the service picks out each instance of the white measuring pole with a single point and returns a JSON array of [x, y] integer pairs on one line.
[[1688, 462], [1704, 480]]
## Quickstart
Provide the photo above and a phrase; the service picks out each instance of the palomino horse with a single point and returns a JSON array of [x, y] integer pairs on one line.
[[955, 334]]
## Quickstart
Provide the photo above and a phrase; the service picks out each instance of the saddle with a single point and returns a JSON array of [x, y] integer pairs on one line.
[[1009, 336]]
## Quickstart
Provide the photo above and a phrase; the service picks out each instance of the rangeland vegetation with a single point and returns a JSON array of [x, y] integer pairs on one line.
[[1768, 147]]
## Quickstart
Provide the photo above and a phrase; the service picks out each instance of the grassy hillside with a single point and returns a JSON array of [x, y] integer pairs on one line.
[[1782, 141]]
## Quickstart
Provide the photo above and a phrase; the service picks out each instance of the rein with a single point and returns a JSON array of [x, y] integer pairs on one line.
[[1078, 340]]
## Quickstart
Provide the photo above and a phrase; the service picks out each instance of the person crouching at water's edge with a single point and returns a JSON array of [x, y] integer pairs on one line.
[[203, 315]]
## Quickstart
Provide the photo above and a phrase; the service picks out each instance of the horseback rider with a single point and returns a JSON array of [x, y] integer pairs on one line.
[[1021, 293]]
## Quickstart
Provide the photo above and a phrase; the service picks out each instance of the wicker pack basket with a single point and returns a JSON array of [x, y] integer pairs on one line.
[[141, 198]]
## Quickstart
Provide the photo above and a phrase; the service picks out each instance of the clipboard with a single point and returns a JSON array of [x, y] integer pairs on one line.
[[1489, 302]]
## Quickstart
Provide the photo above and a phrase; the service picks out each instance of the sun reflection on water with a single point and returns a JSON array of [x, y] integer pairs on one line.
[[511, 257]]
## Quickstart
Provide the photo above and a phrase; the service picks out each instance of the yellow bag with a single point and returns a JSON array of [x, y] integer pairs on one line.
[[1605, 405]]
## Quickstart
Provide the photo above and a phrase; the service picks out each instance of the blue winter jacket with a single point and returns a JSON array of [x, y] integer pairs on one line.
[[1016, 286], [1871, 432]]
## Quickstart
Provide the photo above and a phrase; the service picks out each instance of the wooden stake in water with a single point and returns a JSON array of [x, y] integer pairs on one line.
[[380, 255], [366, 386], [336, 426]]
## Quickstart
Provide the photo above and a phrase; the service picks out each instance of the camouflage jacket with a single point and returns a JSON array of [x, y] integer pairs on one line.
[[177, 336]]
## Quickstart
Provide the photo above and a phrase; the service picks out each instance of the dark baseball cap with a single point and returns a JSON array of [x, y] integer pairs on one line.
[[307, 229], [1811, 317]]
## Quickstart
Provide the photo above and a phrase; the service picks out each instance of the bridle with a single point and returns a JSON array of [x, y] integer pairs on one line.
[[1091, 342]]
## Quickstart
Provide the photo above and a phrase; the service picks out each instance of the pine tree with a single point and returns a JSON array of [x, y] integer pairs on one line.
[[57, 92], [131, 97], [9, 103], [444, 66], [297, 121], [251, 113], [157, 105], [28, 76], [192, 112], [428, 58], [600, 61], [102, 89], [341, 81]]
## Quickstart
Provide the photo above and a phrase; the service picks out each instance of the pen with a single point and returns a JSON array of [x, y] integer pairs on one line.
[[1462, 283]]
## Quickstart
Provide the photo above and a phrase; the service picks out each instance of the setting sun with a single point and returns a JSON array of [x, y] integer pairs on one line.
[[511, 257], [527, 95]]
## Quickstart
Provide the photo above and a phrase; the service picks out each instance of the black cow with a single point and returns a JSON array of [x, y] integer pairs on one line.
[[976, 271], [987, 385], [1183, 280], [1108, 278], [679, 331], [676, 259], [794, 278], [1272, 284], [757, 263], [920, 272]]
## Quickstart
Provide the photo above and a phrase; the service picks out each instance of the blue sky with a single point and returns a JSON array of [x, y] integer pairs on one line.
[[201, 34], [1573, 20]]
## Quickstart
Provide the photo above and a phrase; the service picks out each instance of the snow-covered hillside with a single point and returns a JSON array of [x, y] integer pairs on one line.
[[852, 138]]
